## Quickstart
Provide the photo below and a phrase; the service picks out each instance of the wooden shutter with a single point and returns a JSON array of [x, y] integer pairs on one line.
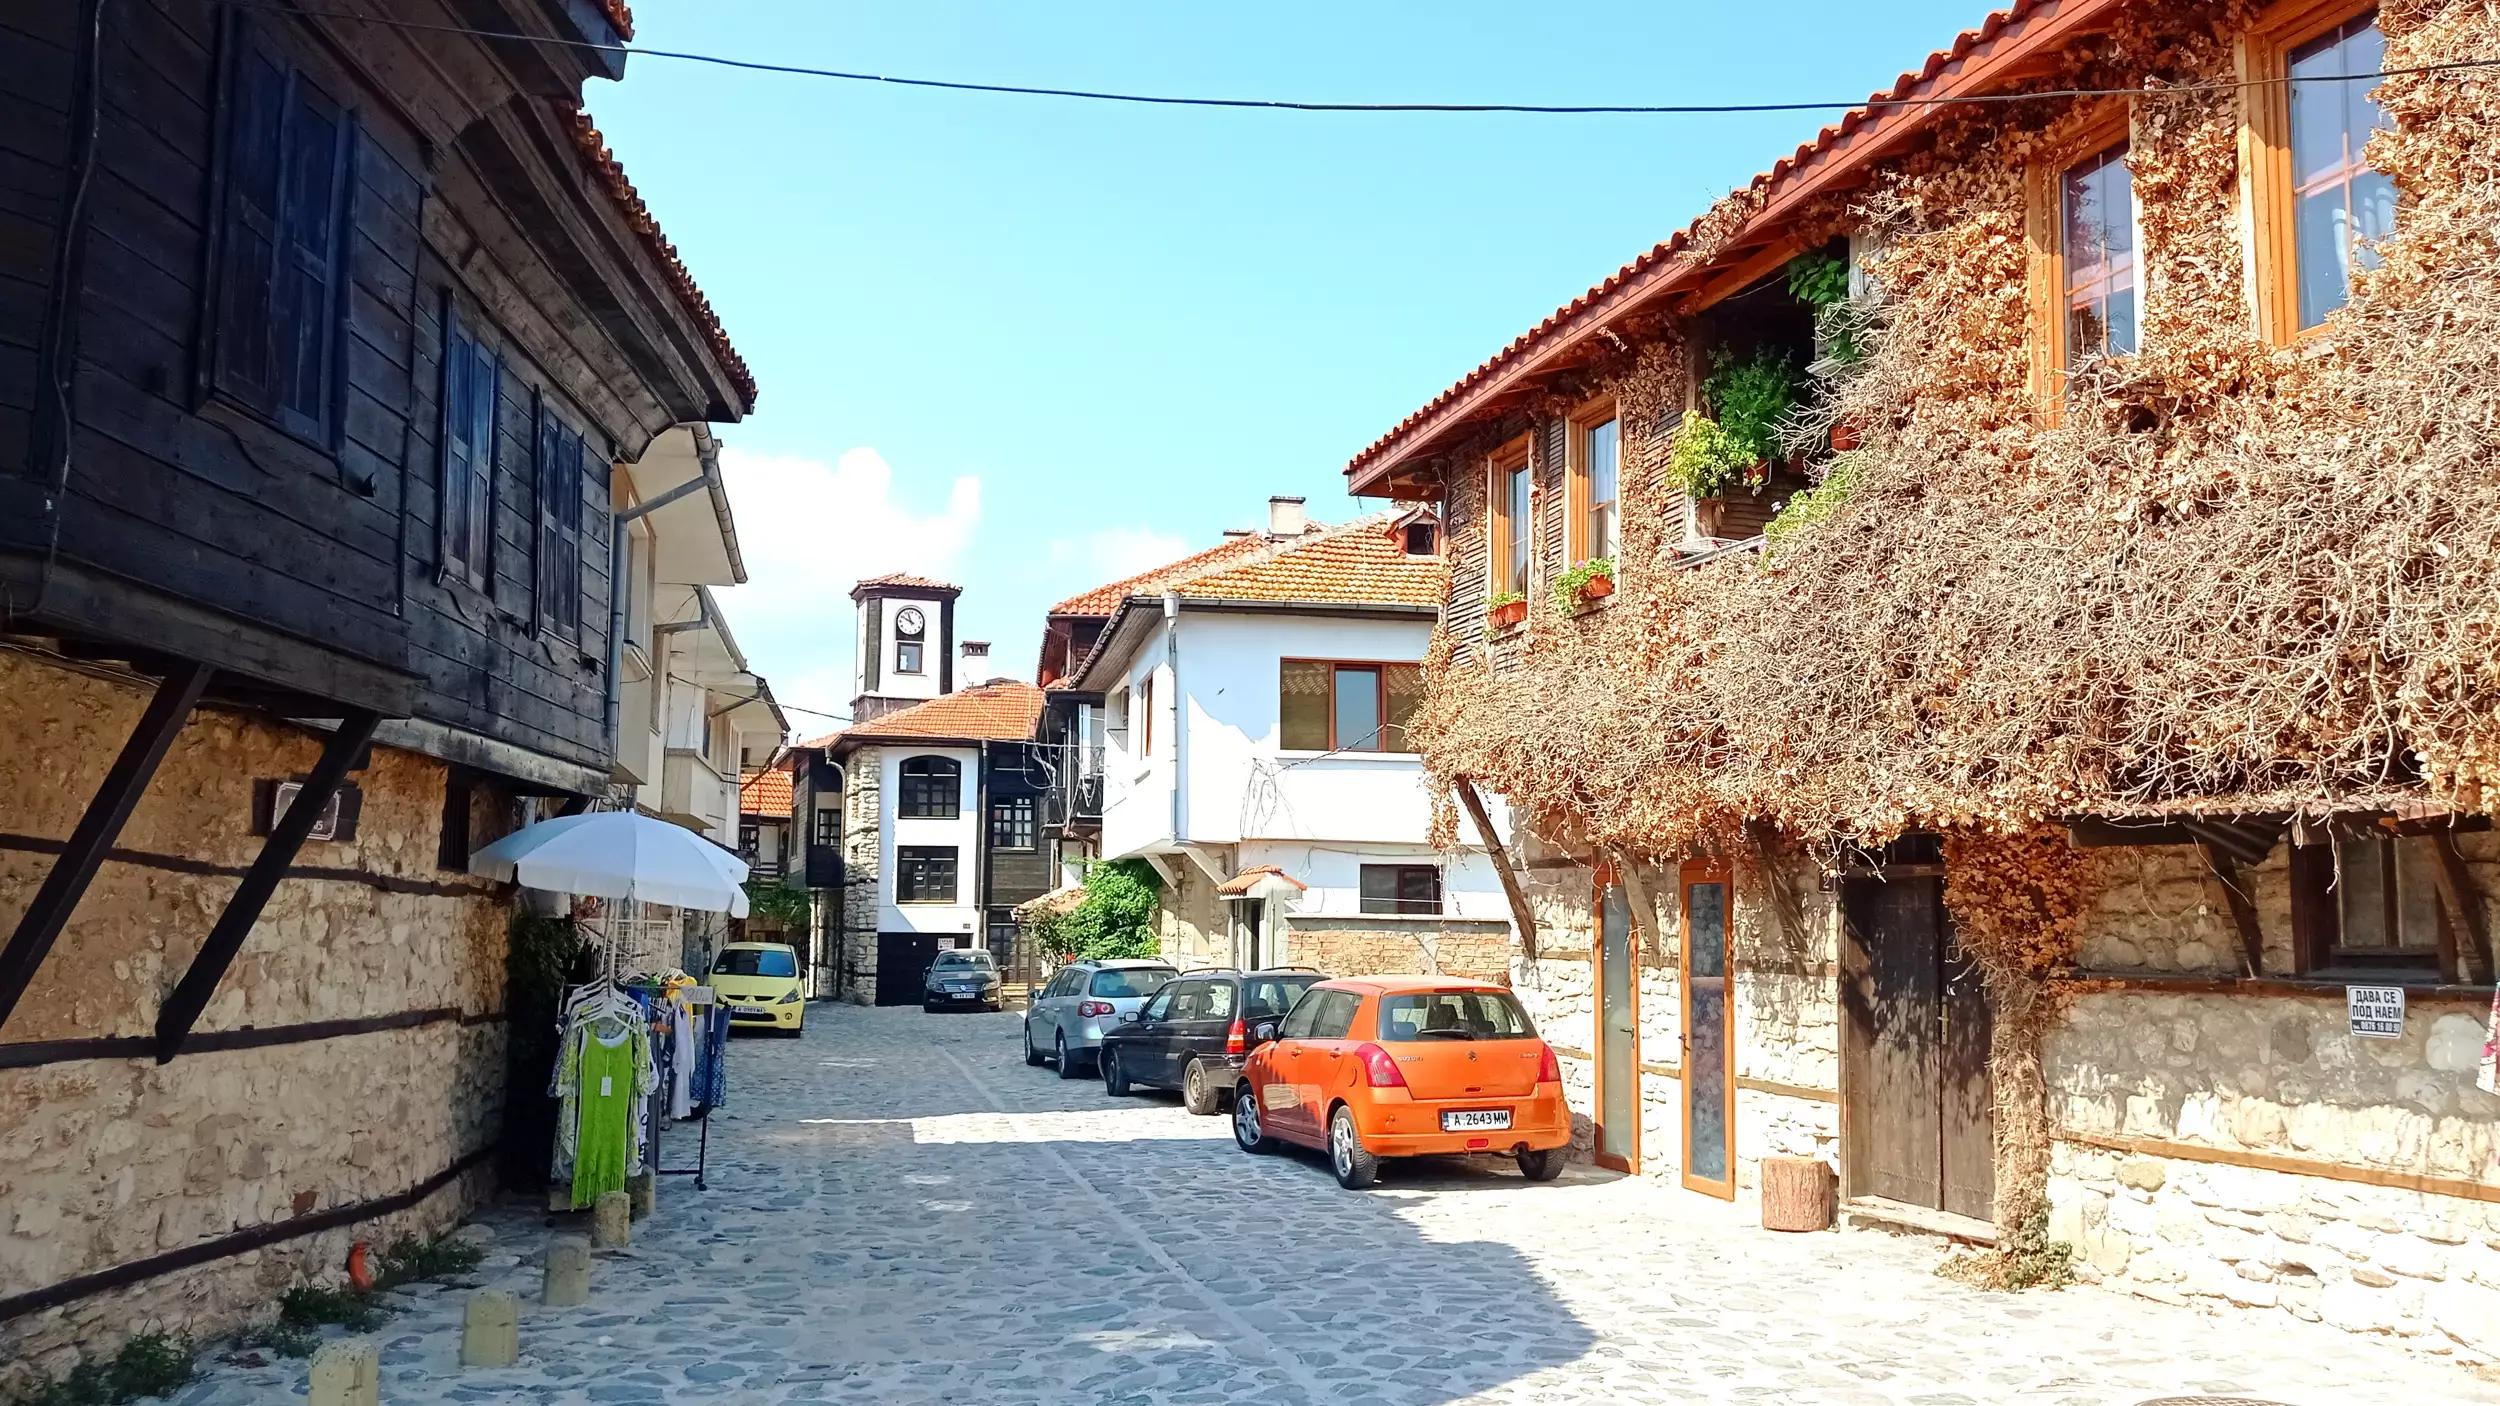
[[304, 308], [485, 419], [246, 330], [453, 478], [542, 461], [560, 452]]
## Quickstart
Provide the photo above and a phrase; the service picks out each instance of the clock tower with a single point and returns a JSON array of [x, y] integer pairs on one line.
[[904, 648]]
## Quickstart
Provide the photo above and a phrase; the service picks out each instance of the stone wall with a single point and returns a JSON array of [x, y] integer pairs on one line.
[[2243, 1148], [1192, 928], [108, 1161], [1353, 947], [863, 873]]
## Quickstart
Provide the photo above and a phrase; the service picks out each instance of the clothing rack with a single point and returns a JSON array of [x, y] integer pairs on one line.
[[705, 1009]]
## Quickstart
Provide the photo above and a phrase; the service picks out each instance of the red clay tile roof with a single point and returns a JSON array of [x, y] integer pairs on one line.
[[1793, 175], [604, 167], [902, 578], [1102, 600], [765, 793], [815, 744], [620, 15], [1006, 711], [1248, 879], [1365, 562]]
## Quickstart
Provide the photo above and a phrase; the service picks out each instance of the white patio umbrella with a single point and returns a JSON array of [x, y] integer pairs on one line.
[[620, 854]]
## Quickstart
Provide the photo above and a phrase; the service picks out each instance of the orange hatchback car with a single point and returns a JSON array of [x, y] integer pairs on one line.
[[1405, 1066]]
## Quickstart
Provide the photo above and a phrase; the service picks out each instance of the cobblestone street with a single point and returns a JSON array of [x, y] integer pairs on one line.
[[901, 1212]]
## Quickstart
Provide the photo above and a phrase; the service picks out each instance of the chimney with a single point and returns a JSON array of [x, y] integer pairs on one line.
[[1285, 518], [1235, 534], [975, 649]]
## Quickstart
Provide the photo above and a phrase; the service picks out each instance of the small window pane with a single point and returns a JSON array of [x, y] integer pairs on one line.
[[2340, 208], [1303, 706], [1357, 710], [1405, 683], [1522, 531], [1400, 888], [2098, 200], [1602, 443]]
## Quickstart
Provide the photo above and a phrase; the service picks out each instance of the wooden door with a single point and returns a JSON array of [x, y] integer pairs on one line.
[[1618, 1028], [1918, 1106], [1709, 1030]]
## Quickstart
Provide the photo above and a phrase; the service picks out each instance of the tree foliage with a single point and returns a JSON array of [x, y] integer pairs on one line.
[[778, 901], [1115, 919]]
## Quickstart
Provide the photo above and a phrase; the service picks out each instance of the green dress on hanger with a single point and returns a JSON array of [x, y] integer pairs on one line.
[[608, 1058]]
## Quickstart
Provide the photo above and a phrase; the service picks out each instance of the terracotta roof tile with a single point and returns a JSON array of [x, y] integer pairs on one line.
[[1908, 85], [603, 166], [1006, 711], [1102, 600], [1248, 879], [904, 578], [1364, 562], [765, 793]]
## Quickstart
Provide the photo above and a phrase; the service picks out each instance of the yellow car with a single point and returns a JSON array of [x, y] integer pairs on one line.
[[759, 982]]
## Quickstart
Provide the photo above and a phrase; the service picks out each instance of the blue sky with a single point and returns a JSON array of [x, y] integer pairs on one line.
[[1030, 345]]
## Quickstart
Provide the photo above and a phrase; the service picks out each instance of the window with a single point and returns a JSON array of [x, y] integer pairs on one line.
[[1328, 707], [924, 874], [2096, 228], [1595, 464], [1453, 1015], [1514, 529], [756, 961], [1275, 995], [1116, 983], [1115, 717], [1305, 1012], [465, 477], [931, 788], [282, 244], [560, 472], [1422, 539], [750, 842], [2370, 901], [1013, 824], [1161, 1006], [828, 826], [1335, 1014], [1146, 715], [1401, 888], [2319, 208]]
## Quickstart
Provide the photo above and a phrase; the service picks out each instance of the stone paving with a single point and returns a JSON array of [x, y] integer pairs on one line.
[[901, 1212]]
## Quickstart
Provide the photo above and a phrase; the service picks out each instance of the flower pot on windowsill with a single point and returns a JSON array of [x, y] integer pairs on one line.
[[1844, 437], [1506, 615], [1595, 589]]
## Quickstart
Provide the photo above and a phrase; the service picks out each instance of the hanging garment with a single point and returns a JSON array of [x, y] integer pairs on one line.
[[610, 1073], [712, 1080], [681, 1018], [2488, 1079]]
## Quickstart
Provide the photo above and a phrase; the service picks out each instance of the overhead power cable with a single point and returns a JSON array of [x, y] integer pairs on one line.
[[1302, 105]]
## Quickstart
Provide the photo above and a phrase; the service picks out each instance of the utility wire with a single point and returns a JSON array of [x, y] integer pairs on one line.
[[1295, 105]]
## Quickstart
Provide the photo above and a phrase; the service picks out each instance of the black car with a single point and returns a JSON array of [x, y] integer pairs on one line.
[[961, 976], [1195, 1034]]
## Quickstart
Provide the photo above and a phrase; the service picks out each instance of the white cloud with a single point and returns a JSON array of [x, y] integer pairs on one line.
[[809, 530], [1114, 552]]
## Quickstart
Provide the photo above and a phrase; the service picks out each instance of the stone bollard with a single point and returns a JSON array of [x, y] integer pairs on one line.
[[568, 1271], [645, 1191], [347, 1374], [490, 1332], [612, 1221]]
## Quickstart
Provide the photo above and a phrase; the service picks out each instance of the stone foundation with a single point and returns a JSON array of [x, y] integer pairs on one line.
[[863, 867], [108, 1161]]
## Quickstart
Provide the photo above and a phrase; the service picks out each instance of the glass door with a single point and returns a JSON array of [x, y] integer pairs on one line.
[[1618, 1030], [1709, 1033]]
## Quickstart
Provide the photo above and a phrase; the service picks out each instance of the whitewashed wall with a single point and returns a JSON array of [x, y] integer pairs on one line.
[[963, 833]]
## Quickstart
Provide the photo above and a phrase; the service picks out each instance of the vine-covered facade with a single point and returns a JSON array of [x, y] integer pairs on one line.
[[1992, 777]]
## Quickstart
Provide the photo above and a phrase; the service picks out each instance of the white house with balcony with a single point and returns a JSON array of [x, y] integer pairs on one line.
[[1252, 705]]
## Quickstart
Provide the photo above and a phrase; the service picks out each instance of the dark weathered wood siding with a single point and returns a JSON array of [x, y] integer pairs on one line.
[[1014, 876]]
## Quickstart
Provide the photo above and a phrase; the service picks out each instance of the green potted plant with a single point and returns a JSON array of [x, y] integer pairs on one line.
[[1586, 584], [1821, 282], [1506, 609]]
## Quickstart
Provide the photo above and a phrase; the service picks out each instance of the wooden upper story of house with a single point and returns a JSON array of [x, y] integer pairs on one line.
[[326, 335]]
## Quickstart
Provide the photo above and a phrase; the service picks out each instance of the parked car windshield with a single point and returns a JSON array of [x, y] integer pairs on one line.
[[965, 961], [1453, 1015], [1274, 995], [1129, 981], [755, 961]]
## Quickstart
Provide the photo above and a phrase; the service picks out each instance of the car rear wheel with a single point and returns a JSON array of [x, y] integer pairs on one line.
[[1248, 1128], [1543, 1164], [1067, 1061], [1198, 1092], [1114, 1078], [1032, 1056], [1355, 1167]]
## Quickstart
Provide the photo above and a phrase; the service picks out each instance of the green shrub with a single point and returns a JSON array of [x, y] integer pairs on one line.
[[1752, 399], [410, 1259], [311, 1305], [1705, 461], [151, 1364], [1815, 504], [1116, 918], [285, 1339], [1567, 586]]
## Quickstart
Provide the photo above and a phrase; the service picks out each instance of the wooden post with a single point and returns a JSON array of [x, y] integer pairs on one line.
[[251, 895], [1520, 910], [2464, 901], [2243, 910], [48, 913]]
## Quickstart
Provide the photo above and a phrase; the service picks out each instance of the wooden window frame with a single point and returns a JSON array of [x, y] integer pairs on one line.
[[559, 455], [1380, 674], [2266, 184], [2461, 934], [950, 769], [828, 832], [1023, 824], [2045, 228], [908, 862], [476, 478], [1576, 504], [1145, 696], [1514, 457], [1440, 891]]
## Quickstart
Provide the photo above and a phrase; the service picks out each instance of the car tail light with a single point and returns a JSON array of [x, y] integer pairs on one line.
[[1091, 1009], [1548, 1068], [1236, 1037], [1379, 1070]]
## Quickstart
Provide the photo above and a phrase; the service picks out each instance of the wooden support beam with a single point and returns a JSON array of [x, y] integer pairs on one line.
[[2243, 908], [2464, 902], [251, 895], [1645, 910], [176, 694], [1520, 911]]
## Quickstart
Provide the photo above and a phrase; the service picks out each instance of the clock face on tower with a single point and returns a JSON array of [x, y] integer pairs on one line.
[[910, 621]]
